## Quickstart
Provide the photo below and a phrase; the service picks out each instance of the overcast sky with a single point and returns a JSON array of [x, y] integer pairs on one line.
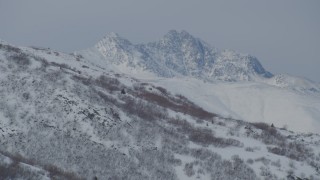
[[284, 35]]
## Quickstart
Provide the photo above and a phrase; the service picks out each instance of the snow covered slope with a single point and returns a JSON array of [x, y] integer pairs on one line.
[[83, 115], [236, 84], [251, 101]]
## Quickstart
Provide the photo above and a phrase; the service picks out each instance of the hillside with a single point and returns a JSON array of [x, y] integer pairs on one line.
[[68, 111], [226, 82]]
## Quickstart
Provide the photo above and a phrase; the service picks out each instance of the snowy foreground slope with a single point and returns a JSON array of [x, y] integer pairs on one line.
[[83, 120]]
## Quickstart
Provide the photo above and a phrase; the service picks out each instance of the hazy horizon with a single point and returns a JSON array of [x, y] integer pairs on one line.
[[283, 35]]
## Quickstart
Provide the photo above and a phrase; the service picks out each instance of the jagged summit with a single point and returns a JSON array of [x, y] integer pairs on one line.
[[178, 37], [114, 47], [114, 38], [231, 65], [112, 34], [180, 53]]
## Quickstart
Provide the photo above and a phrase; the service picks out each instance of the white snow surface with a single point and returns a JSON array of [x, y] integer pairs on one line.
[[263, 100], [225, 82], [251, 101]]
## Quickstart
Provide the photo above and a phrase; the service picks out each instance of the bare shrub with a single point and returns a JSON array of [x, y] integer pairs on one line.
[[109, 83], [188, 169], [221, 123], [205, 137], [17, 158], [53, 76], [179, 106], [264, 160], [276, 163], [269, 135], [277, 150], [236, 168], [250, 161], [57, 173], [162, 90], [182, 124], [204, 154], [265, 171], [39, 48], [26, 95], [201, 136], [144, 110], [158, 99], [16, 171], [261, 125], [83, 80], [21, 59], [107, 98], [10, 172], [293, 150], [61, 66], [44, 62], [249, 149], [10, 48], [292, 165]]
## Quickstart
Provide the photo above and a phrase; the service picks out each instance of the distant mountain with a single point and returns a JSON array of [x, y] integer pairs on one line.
[[179, 53]]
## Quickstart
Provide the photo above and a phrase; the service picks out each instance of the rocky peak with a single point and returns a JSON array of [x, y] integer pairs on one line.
[[178, 52], [113, 40], [115, 48]]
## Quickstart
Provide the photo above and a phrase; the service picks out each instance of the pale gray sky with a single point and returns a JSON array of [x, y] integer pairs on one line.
[[284, 35]]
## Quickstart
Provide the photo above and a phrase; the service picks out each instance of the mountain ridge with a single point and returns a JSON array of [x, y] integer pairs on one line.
[[181, 53]]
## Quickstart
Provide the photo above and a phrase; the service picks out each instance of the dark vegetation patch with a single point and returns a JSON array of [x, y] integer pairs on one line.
[[43, 61], [292, 150], [269, 134], [108, 83], [16, 171], [218, 168], [177, 103], [63, 66], [83, 80], [21, 59], [10, 48], [40, 48], [106, 98], [202, 136], [281, 146], [144, 110]]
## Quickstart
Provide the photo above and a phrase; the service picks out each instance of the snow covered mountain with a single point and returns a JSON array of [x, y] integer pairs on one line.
[[180, 54], [85, 113]]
